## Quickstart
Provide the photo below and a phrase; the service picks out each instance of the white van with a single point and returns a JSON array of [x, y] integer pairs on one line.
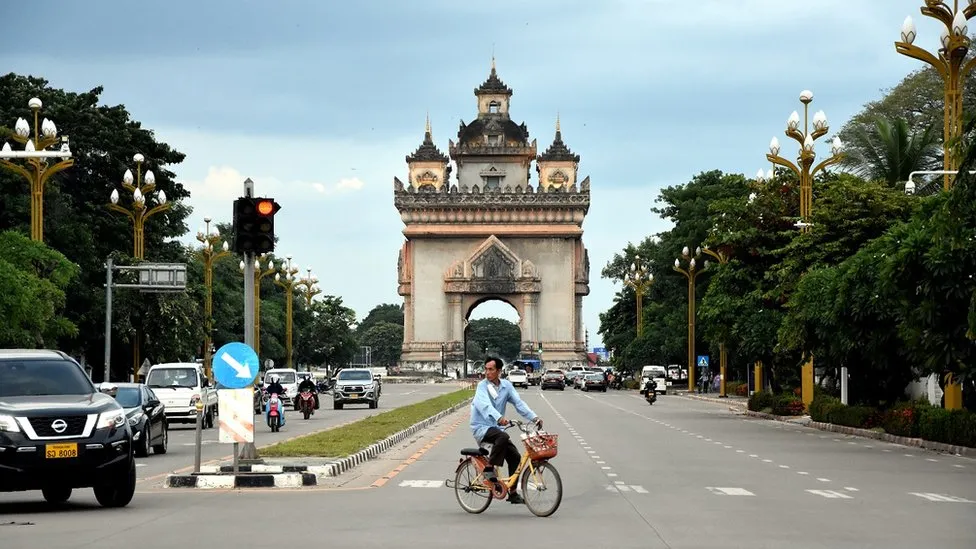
[[658, 374], [288, 377], [179, 385]]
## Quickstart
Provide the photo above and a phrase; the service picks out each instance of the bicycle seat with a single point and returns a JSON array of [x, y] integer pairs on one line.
[[474, 452]]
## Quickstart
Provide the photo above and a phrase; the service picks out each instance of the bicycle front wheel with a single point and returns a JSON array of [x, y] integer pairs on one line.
[[471, 495], [542, 489]]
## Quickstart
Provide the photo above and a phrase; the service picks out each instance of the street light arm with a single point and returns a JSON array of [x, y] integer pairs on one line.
[[120, 209], [156, 209], [42, 143], [916, 52], [682, 271], [17, 168], [828, 162], [970, 11], [940, 11], [968, 67], [780, 161], [796, 135], [719, 256], [59, 167]]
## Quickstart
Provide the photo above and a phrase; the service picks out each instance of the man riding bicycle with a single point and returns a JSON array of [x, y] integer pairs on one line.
[[488, 411]]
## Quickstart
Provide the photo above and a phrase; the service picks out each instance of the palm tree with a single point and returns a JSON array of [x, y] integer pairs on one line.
[[892, 151]]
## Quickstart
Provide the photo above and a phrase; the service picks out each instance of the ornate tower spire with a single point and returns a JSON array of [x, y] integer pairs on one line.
[[557, 166], [428, 165]]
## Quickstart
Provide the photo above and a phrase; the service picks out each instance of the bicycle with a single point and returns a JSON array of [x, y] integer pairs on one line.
[[540, 447]]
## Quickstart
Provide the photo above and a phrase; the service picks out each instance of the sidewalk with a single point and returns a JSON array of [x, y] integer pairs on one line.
[[731, 400]]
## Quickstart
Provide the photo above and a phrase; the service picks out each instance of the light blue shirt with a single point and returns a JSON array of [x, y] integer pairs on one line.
[[487, 408]]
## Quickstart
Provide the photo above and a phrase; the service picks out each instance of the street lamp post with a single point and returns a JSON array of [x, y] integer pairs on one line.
[[691, 273], [209, 240], [258, 276], [36, 153], [722, 258], [951, 65], [640, 279], [310, 289], [288, 282], [804, 168], [138, 213]]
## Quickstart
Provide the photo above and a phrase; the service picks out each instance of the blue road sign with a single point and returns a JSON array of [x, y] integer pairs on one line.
[[235, 365], [703, 361]]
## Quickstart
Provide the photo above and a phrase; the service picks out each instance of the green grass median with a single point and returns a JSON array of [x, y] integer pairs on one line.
[[349, 439]]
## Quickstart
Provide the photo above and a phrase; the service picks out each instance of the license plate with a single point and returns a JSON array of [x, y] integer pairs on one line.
[[57, 451], [354, 395]]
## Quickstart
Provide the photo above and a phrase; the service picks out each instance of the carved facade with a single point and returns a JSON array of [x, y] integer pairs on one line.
[[492, 234]]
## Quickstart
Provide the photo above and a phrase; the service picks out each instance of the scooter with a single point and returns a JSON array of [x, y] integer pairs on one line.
[[275, 413], [651, 395], [306, 403]]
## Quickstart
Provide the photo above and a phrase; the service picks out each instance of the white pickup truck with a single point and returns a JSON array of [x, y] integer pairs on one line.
[[179, 385]]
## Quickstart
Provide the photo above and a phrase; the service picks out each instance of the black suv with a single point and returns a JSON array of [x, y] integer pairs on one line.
[[57, 432]]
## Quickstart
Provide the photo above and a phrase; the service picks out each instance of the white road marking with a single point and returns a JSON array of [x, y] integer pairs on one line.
[[729, 491], [767, 461], [824, 479], [740, 451], [851, 489], [941, 498], [605, 468], [802, 473], [784, 466], [959, 466], [601, 462], [932, 460], [830, 494], [639, 489], [727, 447], [422, 483], [753, 456], [909, 455], [612, 474]]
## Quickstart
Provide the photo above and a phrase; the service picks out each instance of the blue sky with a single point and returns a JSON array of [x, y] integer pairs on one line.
[[318, 101]]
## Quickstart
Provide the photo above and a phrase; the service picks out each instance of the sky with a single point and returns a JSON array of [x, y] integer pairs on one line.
[[318, 102]]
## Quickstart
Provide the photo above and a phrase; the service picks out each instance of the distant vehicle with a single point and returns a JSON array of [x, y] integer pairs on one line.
[[179, 385], [554, 379], [58, 433], [519, 378], [145, 413], [594, 382], [532, 367], [356, 386], [288, 377], [659, 374]]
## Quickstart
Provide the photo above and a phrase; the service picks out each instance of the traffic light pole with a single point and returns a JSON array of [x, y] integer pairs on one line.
[[249, 452]]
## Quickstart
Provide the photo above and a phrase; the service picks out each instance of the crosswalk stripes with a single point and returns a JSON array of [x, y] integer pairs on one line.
[[830, 494], [942, 498], [422, 483], [619, 486], [729, 491]]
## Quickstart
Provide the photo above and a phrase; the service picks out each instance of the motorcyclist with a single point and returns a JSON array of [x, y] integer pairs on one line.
[[308, 385], [650, 387], [275, 387]]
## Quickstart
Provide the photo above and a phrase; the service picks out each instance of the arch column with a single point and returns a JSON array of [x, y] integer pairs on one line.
[[529, 303], [456, 315]]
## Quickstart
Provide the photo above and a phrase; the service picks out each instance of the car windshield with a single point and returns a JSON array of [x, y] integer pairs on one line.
[[594, 377], [172, 378], [129, 397], [283, 377], [42, 377], [353, 375], [517, 373]]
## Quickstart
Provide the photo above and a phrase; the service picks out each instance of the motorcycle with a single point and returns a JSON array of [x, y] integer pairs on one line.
[[306, 403], [651, 394], [275, 413]]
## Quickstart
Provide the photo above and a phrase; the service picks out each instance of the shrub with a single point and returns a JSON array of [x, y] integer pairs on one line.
[[822, 407], [948, 426], [732, 387], [742, 389], [903, 419], [788, 405], [761, 400], [631, 384]]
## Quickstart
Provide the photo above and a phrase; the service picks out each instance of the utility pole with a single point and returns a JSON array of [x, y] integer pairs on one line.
[[249, 451]]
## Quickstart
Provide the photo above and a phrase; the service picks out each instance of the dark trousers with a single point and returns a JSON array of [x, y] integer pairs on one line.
[[502, 449]]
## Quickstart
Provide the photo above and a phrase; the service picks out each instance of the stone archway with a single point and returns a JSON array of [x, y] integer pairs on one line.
[[469, 304]]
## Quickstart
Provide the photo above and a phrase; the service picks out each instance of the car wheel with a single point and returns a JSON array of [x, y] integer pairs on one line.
[[56, 495], [119, 493], [145, 447], [161, 447]]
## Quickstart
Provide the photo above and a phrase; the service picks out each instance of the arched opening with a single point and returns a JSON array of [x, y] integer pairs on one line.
[[492, 328], [494, 107]]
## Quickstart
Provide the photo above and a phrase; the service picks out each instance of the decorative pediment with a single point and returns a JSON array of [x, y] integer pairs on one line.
[[492, 268], [426, 178], [558, 178]]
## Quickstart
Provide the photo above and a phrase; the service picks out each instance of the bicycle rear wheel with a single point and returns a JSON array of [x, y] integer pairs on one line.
[[471, 495], [545, 484]]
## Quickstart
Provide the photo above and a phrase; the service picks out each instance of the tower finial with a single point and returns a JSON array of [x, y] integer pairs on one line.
[[557, 121], [427, 127], [493, 59]]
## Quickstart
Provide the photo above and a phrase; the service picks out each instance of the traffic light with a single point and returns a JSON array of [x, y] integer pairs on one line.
[[254, 225]]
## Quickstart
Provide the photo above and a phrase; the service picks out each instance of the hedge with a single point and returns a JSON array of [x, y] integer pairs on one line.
[[781, 405], [908, 419]]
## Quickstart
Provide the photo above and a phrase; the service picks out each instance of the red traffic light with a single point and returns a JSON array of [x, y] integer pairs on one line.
[[265, 207]]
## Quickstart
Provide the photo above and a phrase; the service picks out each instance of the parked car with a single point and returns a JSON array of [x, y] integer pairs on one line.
[[145, 413], [179, 385], [519, 378], [554, 379], [58, 433], [594, 382], [355, 386]]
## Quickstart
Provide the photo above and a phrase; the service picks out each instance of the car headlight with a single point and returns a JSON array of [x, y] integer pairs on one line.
[[135, 418], [113, 419], [9, 425]]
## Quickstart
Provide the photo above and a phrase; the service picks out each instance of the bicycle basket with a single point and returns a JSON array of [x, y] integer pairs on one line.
[[541, 446]]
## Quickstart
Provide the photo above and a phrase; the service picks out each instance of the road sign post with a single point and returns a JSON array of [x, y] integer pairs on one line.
[[199, 436], [703, 367], [235, 365], [236, 412]]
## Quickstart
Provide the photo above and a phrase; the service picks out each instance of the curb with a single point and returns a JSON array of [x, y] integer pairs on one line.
[[729, 402], [213, 481], [362, 456], [887, 437], [317, 470]]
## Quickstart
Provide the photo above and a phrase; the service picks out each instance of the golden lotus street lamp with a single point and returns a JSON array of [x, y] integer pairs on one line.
[[804, 168], [951, 65], [691, 272], [138, 213], [640, 279], [288, 282], [309, 288], [210, 240], [258, 276], [36, 154], [722, 258]]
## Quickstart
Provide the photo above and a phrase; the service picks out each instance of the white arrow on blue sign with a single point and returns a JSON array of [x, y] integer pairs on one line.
[[235, 365], [703, 361]]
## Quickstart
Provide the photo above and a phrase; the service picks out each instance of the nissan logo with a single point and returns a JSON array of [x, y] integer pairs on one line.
[[59, 425]]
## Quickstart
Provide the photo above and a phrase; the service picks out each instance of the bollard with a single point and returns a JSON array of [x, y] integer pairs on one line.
[[843, 385], [196, 459]]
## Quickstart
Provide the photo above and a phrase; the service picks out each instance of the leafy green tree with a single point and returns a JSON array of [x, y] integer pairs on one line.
[[892, 151], [386, 312], [33, 278], [501, 337], [386, 340], [328, 339]]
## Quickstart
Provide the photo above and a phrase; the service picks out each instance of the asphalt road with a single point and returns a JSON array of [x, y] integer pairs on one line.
[[678, 474]]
